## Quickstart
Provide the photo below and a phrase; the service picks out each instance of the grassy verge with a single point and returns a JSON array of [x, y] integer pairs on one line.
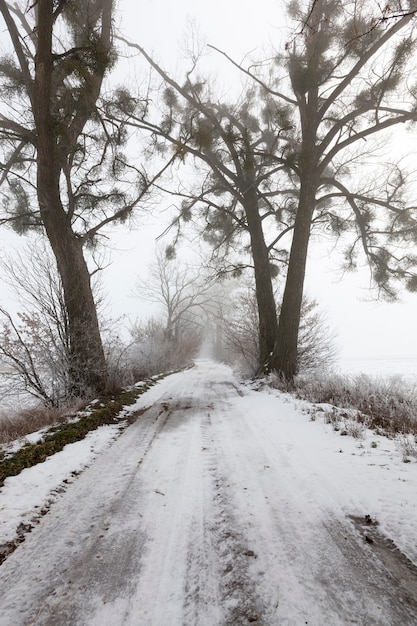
[[386, 405], [98, 413], [15, 424]]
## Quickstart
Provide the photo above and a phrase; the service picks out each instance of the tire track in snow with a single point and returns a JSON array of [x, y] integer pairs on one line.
[[195, 551], [331, 576], [238, 579], [172, 525], [237, 586], [90, 546]]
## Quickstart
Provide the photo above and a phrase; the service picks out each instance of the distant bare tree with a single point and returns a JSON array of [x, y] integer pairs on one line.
[[186, 296], [182, 290]]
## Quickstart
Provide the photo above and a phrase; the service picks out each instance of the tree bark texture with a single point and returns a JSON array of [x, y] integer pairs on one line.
[[263, 281], [88, 366], [285, 356]]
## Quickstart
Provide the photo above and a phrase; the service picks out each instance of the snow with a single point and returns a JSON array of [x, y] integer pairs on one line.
[[365, 475], [383, 366], [23, 497], [218, 505]]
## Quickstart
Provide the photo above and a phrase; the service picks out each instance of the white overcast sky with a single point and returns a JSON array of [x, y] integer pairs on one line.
[[363, 329]]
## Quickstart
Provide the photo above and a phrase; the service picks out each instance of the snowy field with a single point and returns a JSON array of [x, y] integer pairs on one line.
[[381, 366], [219, 506]]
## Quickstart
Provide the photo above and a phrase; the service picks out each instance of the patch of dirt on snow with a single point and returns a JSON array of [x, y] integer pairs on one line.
[[399, 569], [10, 546]]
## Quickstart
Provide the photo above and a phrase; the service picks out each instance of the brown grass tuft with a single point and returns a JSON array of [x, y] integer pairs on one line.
[[17, 424]]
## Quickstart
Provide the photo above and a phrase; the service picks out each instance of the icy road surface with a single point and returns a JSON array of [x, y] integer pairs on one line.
[[219, 506]]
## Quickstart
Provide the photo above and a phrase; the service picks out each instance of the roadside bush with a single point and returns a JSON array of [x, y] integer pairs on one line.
[[241, 335], [153, 350]]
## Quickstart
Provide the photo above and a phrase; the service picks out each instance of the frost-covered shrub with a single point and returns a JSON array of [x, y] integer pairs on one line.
[[153, 351], [408, 444], [240, 335], [389, 404]]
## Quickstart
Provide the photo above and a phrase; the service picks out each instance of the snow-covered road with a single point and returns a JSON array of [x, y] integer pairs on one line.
[[220, 506]]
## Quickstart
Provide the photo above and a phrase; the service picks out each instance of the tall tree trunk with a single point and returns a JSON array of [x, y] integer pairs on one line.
[[263, 281], [305, 83], [87, 361], [87, 367], [284, 359]]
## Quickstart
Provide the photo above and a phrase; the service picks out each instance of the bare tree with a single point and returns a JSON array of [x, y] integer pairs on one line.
[[62, 151], [237, 150], [346, 75], [183, 291], [35, 347], [34, 343], [186, 297]]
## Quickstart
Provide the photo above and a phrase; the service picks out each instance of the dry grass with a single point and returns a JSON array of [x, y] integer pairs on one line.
[[54, 439], [17, 424], [387, 405]]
